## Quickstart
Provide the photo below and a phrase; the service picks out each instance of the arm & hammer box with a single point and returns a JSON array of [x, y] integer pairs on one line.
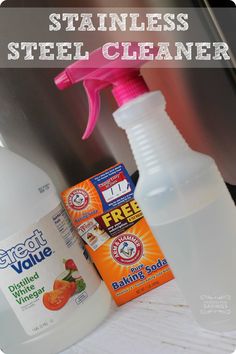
[[117, 237]]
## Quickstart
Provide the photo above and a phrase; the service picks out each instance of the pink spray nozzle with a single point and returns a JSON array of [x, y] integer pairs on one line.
[[62, 81], [98, 73]]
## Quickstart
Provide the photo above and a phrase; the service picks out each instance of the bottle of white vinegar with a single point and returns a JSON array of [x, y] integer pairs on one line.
[[188, 208], [50, 295]]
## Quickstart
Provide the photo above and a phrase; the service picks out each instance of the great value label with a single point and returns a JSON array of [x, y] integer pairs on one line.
[[44, 274]]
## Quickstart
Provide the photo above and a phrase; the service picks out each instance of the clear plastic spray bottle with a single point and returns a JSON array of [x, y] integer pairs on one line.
[[181, 192]]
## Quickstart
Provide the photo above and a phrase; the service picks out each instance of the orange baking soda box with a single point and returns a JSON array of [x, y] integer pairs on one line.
[[117, 237]]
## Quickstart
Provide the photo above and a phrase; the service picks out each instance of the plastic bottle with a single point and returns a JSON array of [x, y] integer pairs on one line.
[[38, 246], [180, 191]]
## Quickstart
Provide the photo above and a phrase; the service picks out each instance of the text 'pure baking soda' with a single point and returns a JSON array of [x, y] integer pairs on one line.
[[49, 291], [181, 192], [118, 239]]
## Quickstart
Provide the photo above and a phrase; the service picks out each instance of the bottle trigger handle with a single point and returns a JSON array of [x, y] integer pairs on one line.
[[99, 73], [93, 88]]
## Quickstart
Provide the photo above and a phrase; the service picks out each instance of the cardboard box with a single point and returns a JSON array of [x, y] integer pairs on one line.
[[117, 236]]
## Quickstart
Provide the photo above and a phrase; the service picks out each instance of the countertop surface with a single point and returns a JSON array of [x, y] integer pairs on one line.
[[158, 322]]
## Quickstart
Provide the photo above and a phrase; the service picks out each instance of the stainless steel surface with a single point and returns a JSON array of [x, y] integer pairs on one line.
[[46, 125]]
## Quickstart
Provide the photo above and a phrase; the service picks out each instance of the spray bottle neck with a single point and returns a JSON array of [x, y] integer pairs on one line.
[[126, 90], [154, 139]]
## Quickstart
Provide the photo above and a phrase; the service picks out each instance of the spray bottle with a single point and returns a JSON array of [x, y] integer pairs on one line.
[[180, 191]]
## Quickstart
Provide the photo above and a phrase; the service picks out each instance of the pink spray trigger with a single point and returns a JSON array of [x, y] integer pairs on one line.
[[93, 88], [98, 73]]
